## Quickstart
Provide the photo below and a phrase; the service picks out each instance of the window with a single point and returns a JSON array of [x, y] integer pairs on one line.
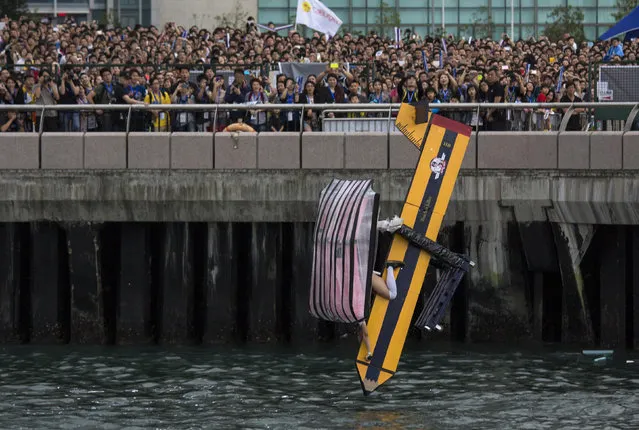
[[550, 3], [590, 15], [276, 16], [414, 16], [269, 4], [527, 31], [527, 16], [606, 15], [542, 15], [359, 16]]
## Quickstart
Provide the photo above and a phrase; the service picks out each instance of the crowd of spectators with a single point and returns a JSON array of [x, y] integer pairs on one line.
[[42, 63]]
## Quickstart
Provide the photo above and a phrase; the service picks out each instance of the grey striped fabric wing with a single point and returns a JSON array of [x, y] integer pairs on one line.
[[344, 251]]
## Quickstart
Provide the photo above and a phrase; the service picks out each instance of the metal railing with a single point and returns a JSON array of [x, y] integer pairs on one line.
[[388, 110]]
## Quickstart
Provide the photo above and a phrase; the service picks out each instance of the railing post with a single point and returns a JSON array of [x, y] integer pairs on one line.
[[302, 119], [631, 118], [40, 131], [217, 105], [128, 120], [566, 118], [41, 125]]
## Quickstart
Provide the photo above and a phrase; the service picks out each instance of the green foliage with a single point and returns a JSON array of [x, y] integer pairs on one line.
[[481, 26], [624, 7], [14, 9], [565, 20], [109, 18], [235, 19], [387, 18]]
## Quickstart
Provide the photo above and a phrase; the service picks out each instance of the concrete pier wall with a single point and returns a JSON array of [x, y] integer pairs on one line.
[[487, 150], [196, 282], [187, 238]]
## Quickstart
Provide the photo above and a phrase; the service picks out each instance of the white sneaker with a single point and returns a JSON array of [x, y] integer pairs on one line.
[[390, 226], [395, 224], [383, 225]]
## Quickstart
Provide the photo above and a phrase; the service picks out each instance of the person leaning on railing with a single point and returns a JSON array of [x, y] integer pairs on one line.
[[290, 95], [574, 123], [106, 93], [183, 120], [236, 94], [69, 89], [203, 96], [46, 94], [332, 93], [8, 119], [157, 96], [495, 118], [311, 120], [256, 118]]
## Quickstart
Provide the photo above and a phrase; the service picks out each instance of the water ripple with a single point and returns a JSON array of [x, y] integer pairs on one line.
[[65, 388]]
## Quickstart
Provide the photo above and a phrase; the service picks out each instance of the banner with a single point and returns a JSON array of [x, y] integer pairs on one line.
[[313, 14], [295, 70]]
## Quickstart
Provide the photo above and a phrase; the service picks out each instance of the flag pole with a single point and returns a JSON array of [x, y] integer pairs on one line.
[[512, 19]]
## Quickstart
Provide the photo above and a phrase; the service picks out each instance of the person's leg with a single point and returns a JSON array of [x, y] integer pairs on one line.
[[380, 288], [363, 332]]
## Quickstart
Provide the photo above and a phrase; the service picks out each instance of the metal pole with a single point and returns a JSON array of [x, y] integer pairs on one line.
[[55, 10], [443, 18], [140, 12], [512, 19]]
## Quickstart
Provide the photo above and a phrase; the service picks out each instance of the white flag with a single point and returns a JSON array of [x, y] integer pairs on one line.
[[313, 14]]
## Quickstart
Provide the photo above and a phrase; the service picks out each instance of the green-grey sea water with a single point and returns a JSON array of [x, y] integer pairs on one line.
[[267, 388]]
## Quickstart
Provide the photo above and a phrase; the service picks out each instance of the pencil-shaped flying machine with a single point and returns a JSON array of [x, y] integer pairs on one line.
[[344, 250]]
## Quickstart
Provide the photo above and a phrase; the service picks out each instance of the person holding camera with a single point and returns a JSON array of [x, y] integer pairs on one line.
[[203, 96], [69, 90], [8, 120], [46, 93], [256, 118], [236, 94], [183, 120]]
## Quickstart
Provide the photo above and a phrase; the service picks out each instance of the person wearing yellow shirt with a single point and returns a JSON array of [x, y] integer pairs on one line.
[[158, 97], [354, 99]]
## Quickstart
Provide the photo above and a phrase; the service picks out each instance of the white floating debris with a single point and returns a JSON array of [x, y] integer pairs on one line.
[[600, 352], [630, 361], [438, 327], [427, 328]]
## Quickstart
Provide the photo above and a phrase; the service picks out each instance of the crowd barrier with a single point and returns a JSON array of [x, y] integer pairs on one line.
[[365, 117], [365, 150]]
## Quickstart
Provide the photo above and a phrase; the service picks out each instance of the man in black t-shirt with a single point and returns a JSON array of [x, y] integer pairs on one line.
[[69, 90], [496, 118], [574, 123], [108, 92]]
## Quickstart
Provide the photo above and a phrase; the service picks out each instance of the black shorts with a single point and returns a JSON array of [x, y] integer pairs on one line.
[[384, 241]]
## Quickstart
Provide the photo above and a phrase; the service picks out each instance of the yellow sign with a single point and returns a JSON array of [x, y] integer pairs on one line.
[[306, 6], [406, 122]]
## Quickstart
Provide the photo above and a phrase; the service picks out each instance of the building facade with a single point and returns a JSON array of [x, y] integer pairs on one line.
[[203, 13], [463, 18]]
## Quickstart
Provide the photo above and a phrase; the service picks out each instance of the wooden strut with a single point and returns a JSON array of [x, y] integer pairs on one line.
[[454, 266]]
